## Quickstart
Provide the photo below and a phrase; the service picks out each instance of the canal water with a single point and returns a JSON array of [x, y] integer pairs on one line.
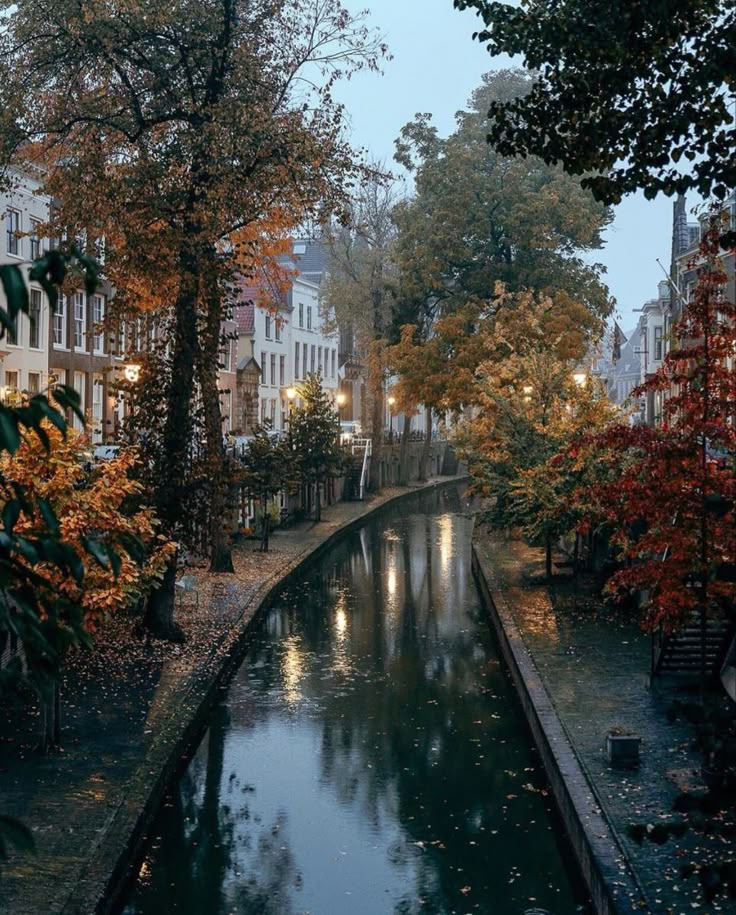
[[370, 755]]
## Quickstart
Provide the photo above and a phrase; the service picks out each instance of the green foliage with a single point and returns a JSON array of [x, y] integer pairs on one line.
[[623, 90], [265, 473], [314, 432], [479, 218], [44, 622]]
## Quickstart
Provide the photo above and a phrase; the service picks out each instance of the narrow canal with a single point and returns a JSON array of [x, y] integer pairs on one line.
[[370, 756]]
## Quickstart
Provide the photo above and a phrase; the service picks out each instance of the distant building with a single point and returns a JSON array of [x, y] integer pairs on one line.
[[282, 336]]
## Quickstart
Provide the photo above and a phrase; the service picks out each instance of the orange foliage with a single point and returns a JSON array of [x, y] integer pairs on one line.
[[90, 505]]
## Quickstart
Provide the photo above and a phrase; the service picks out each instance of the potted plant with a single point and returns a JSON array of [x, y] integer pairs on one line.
[[622, 747]]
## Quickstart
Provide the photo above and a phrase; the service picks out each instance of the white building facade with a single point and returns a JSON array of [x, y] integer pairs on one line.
[[25, 354]]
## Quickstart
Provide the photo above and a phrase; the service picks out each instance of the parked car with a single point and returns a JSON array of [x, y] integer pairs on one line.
[[105, 452]]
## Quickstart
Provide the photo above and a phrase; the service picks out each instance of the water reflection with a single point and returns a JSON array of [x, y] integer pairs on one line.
[[369, 757]]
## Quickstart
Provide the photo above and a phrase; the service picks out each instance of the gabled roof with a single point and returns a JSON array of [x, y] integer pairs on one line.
[[248, 362], [244, 317], [308, 258]]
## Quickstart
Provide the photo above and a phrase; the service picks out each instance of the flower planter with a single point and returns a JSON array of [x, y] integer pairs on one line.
[[623, 750]]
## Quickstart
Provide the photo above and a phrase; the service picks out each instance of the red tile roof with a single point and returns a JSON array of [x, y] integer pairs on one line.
[[244, 316]]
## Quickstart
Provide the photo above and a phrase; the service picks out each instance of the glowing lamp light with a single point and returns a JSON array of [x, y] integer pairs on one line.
[[580, 379], [132, 372], [340, 400], [291, 393], [391, 401]]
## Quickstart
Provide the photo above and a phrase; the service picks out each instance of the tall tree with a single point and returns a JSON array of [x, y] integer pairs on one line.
[[671, 502], [623, 90], [479, 217], [360, 285], [186, 122]]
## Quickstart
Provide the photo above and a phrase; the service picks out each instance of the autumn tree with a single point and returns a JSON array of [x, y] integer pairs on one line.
[[623, 93], [671, 504], [267, 469], [96, 513], [314, 438], [361, 283], [185, 123]]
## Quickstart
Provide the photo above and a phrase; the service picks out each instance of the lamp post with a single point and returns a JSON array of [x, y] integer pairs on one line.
[[290, 397], [391, 402]]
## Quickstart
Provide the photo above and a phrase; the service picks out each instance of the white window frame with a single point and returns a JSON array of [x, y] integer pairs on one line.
[[13, 226], [80, 324], [98, 319], [35, 313], [60, 323]]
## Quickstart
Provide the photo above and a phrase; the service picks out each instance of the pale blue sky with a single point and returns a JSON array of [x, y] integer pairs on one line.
[[436, 66]]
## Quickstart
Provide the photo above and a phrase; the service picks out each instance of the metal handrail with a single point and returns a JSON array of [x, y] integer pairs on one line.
[[366, 446]]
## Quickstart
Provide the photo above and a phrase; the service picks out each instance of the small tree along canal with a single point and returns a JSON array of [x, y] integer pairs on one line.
[[370, 756]]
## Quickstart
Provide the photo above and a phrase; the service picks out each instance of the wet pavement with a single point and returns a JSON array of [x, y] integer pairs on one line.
[[594, 662]]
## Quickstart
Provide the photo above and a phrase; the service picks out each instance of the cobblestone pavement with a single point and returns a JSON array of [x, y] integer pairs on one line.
[[594, 662], [125, 706]]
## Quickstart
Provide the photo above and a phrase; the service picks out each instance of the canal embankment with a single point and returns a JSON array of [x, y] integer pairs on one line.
[[581, 669], [132, 709]]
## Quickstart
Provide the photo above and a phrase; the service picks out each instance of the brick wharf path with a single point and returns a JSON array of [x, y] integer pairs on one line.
[[594, 663], [129, 711]]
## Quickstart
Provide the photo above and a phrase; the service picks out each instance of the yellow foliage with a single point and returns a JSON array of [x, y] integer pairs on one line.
[[102, 504]]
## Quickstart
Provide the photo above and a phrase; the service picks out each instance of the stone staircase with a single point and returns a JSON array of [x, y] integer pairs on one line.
[[679, 653], [352, 481]]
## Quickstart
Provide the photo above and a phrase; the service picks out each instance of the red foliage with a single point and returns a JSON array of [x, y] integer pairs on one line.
[[671, 503]]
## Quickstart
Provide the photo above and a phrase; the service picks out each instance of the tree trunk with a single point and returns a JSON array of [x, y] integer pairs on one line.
[[426, 447], [51, 720], [221, 557], [266, 525], [318, 497], [177, 436], [404, 453]]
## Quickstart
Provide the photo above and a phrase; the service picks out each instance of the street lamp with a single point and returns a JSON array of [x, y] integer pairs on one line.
[[132, 372], [391, 402], [340, 399], [580, 378]]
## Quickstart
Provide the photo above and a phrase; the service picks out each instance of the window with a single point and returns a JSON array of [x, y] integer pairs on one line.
[[301, 314], [277, 325], [12, 228], [282, 370], [11, 380], [319, 359], [264, 407], [274, 379], [296, 360], [264, 379], [11, 335], [34, 383], [334, 359], [98, 317], [309, 317], [268, 327], [98, 392], [79, 388], [79, 320], [657, 343], [35, 240], [34, 320], [60, 322], [304, 360], [227, 356], [311, 359]]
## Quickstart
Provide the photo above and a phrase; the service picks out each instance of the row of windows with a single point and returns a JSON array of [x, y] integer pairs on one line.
[[79, 322], [312, 360], [274, 324]]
